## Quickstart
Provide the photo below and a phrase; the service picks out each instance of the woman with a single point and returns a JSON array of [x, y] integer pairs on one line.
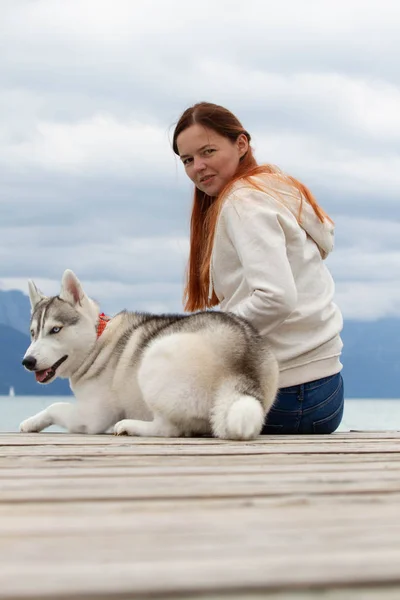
[[258, 241]]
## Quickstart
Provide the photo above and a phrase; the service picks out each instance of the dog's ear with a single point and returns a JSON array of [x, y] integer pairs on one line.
[[35, 295], [71, 289]]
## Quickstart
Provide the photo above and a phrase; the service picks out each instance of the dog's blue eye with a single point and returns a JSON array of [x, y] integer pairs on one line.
[[55, 330]]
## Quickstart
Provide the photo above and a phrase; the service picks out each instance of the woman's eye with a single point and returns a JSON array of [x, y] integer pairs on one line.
[[186, 161], [209, 151], [56, 330]]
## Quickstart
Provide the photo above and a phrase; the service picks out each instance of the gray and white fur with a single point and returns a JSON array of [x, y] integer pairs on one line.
[[207, 373]]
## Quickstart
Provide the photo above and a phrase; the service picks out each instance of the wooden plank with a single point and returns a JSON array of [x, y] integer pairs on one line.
[[47, 470], [26, 439], [64, 439], [204, 449], [381, 501], [158, 479], [343, 593], [47, 490], [216, 518], [160, 547], [200, 464], [200, 576]]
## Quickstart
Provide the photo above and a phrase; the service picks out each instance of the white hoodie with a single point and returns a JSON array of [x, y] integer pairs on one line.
[[267, 267]]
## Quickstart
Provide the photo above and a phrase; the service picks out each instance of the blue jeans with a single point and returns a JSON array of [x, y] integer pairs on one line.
[[313, 407]]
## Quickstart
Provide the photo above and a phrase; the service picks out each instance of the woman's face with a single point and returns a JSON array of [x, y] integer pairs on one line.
[[211, 160]]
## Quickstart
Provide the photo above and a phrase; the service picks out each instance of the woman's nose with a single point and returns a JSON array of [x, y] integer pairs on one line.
[[198, 164]]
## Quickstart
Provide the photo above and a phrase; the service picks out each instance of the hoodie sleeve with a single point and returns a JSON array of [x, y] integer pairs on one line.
[[254, 225]]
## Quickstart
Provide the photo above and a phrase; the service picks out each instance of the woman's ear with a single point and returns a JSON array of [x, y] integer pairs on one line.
[[242, 144]]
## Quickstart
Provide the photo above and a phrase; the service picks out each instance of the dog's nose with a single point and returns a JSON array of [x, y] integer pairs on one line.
[[29, 363]]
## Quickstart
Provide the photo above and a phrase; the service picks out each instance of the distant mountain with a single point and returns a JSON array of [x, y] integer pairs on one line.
[[13, 345], [15, 310], [371, 354]]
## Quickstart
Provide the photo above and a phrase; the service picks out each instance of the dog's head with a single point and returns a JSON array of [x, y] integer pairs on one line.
[[63, 330]]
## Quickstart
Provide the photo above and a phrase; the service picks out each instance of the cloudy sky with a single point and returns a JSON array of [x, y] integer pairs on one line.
[[89, 94]]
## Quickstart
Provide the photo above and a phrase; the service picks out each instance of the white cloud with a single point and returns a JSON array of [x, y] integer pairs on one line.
[[352, 264], [368, 301], [110, 24], [367, 235], [100, 145], [358, 106], [320, 161], [124, 260]]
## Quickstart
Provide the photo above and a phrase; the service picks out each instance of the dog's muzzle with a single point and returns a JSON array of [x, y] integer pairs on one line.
[[42, 375]]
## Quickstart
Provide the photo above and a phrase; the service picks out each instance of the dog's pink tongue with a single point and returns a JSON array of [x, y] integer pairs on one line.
[[41, 375]]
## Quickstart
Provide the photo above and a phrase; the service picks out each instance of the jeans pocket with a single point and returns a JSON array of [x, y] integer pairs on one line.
[[331, 422], [321, 398]]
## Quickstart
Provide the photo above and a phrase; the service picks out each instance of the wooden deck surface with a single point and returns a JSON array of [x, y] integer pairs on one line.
[[291, 517]]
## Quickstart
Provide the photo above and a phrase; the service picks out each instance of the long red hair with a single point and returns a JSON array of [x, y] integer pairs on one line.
[[206, 209]]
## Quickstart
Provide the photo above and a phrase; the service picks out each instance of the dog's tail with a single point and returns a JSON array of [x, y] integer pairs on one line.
[[239, 409]]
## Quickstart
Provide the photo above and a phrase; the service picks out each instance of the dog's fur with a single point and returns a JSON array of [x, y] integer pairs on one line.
[[208, 373]]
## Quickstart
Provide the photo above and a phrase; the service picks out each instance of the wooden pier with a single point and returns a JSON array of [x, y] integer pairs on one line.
[[290, 517]]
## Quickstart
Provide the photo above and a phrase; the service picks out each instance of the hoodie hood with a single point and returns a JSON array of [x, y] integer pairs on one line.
[[321, 232]]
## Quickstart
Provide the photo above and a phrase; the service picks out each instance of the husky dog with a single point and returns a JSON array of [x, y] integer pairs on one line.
[[207, 373]]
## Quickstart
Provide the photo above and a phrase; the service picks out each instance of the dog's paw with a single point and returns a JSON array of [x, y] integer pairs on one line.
[[122, 427], [31, 425]]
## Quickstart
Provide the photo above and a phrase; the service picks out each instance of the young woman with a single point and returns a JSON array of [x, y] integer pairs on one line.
[[257, 248]]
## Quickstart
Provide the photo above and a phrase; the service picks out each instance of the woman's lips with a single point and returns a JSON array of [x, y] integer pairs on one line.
[[207, 179]]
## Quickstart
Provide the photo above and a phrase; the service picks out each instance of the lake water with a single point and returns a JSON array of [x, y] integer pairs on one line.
[[366, 415]]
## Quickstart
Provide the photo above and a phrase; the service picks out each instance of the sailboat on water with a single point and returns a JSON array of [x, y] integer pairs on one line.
[[11, 391]]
